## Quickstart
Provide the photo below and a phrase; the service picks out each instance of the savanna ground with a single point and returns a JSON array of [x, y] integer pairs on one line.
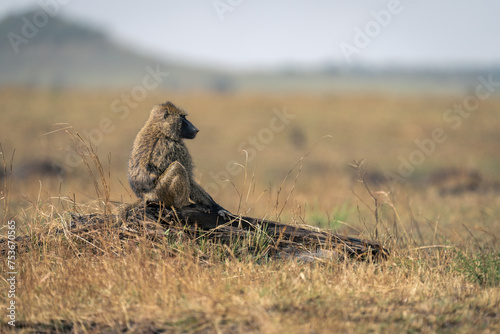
[[441, 220]]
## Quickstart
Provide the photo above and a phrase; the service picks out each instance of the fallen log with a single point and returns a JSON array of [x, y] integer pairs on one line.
[[284, 236], [153, 221]]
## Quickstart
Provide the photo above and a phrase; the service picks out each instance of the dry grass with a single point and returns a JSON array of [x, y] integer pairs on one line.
[[443, 274]]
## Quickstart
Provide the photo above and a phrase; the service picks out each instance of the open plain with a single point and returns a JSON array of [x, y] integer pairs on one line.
[[409, 171]]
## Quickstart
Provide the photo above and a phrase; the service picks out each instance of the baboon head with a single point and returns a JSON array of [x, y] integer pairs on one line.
[[173, 122]]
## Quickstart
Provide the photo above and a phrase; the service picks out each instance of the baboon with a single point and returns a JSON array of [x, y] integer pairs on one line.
[[160, 167]]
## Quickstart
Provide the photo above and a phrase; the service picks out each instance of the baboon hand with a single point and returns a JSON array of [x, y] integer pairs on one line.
[[220, 211]]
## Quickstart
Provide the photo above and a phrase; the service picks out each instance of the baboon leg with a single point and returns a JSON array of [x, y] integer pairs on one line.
[[173, 187]]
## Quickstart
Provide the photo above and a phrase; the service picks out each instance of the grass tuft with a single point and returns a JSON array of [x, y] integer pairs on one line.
[[481, 268]]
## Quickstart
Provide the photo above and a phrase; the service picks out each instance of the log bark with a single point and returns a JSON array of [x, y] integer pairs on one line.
[[153, 221], [284, 236]]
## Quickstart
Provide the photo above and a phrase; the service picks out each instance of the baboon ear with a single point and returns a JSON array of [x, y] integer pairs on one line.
[[167, 109]]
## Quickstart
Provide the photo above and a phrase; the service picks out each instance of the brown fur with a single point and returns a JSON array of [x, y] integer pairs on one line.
[[160, 166]]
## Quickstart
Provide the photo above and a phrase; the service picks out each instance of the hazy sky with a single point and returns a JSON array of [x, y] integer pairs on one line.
[[245, 33]]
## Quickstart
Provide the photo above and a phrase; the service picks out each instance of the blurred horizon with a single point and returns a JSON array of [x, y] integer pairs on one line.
[[244, 35], [50, 46]]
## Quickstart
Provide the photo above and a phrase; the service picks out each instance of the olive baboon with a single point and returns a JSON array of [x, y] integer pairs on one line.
[[160, 167]]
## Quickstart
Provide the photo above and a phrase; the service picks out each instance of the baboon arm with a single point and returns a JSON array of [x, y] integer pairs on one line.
[[157, 160], [200, 196]]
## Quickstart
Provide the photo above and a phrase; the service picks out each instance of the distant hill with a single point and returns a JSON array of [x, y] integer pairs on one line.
[[66, 54]]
